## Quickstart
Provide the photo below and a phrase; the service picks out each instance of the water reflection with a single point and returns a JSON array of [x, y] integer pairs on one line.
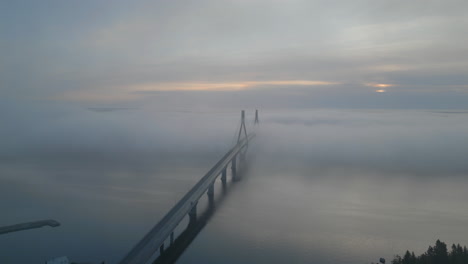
[[177, 247], [193, 229]]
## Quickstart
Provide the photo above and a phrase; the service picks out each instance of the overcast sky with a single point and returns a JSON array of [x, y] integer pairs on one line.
[[361, 53], [112, 92]]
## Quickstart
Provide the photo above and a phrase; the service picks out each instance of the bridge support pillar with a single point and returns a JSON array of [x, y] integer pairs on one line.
[[234, 168], [210, 192], [193, 214], [242, 158], [223, 177], [161, 249]]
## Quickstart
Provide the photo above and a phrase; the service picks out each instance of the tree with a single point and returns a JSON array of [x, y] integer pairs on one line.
[[397, 260], [436, 254], [440, 253], [409, 258]]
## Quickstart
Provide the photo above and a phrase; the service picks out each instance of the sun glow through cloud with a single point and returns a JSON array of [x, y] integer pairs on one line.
[[379, 85]]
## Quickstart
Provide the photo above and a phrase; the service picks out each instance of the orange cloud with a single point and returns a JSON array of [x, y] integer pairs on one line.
[[226, 86], [129, 92]]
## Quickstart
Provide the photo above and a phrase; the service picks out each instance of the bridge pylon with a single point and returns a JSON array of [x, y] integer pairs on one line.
[[242, 127], [242, 153], [256, 122]]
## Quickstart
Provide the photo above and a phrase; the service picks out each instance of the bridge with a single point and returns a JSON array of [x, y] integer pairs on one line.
[[155, 239]]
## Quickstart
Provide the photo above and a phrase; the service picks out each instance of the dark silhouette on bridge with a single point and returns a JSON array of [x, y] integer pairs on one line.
[[29, 225], [155, 239]]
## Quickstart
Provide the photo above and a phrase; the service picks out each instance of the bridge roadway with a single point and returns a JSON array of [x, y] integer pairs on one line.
[[155, 238]]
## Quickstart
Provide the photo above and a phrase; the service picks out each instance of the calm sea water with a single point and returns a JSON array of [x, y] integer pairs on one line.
[[325, 186]]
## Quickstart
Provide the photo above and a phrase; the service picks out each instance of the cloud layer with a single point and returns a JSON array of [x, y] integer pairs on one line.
[[101, 52]]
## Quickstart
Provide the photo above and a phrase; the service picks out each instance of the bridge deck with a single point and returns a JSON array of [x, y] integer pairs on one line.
[[151, 242]]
